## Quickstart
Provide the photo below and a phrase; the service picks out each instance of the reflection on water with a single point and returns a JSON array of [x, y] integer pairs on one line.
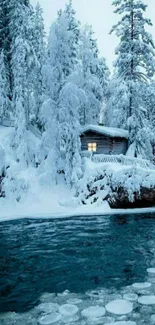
[[77, 254]]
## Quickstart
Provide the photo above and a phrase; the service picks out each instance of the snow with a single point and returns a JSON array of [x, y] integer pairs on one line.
[[43, 201], [94, 312], [109, 131], [68, 310], [147, 300], [119, 307]]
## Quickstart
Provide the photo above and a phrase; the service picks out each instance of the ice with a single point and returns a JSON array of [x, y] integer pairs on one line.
[[141, 285], [48, 307], [124, 323], [93, 312], [119, 307], [68, 310], [70, 319], [74, 301], [49, 319], [130, 296], [153, 318], [151, 270], [147, 300]]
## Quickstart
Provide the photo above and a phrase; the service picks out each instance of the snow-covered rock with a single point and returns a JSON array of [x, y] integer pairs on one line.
[[68, 310], [147, 300], [93, 312], [119, 307]]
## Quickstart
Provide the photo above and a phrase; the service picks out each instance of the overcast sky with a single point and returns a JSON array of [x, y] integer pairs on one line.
[[99, 14]]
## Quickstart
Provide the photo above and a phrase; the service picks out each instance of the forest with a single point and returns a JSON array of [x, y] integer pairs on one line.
[[57, 83]]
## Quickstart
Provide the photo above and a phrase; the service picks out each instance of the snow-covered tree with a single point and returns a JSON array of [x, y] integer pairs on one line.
[[135, 57], [23, 63], [89, 78], [69, 132], [4, 89], [38, 41]]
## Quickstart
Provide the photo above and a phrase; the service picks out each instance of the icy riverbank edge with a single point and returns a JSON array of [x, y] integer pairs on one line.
[[20, 212]]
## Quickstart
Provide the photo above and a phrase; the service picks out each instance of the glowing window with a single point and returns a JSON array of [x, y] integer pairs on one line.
[[92, 146]]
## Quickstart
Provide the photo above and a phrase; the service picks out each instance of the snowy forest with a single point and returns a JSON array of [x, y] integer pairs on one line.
[[55, 84]]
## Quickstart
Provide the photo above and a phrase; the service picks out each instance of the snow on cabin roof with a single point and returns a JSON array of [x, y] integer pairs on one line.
[[111, 132]]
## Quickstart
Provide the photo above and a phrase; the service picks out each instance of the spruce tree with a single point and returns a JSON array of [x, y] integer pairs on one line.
[[135, 60], [4, 89]]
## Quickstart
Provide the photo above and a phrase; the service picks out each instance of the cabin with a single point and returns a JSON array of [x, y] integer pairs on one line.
[[104, 140]]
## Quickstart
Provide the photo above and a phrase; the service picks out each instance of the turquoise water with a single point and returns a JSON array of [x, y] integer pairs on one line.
[[78, 254]]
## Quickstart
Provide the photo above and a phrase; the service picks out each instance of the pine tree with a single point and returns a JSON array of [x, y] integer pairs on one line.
[[135, 62], [39, 48], [90, 78], [61, 61]]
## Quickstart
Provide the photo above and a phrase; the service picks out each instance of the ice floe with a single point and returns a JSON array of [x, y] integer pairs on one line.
[[48, 307], [94, 312], [68, 310], [130, 296], [141, 285], [151, 270], [49, 319], [147, 300], [119, 307], [74, 301]]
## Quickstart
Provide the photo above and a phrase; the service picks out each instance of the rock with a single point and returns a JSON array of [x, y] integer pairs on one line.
[[119, 307]]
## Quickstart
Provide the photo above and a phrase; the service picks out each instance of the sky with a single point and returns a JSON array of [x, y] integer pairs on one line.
[[99, 14]]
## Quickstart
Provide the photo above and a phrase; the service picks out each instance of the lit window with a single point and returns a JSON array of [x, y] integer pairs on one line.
[[92, 147]]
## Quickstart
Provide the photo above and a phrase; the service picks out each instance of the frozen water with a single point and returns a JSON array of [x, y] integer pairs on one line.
[[48, 307], [94, 312], [151, 270], [124, 323], [119, 307], [130, 296], [141, 285], [49, 319], [74, 301], [147, 300], [68, 310]]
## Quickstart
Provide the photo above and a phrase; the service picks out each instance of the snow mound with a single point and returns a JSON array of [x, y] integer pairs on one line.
[[119, 307], [147, 300], [49, 319], [130, 296], [74, 301], [151, 270], [94, 312], [141, 285], [48, 307], [68, 310]]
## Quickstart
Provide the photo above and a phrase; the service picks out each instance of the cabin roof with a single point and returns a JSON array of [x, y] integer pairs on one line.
[[104, 130]]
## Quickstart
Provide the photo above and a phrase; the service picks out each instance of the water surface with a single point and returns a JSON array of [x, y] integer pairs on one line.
[[77, 254]]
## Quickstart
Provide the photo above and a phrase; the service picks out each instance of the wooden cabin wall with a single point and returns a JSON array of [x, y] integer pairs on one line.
[[105, 145]]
